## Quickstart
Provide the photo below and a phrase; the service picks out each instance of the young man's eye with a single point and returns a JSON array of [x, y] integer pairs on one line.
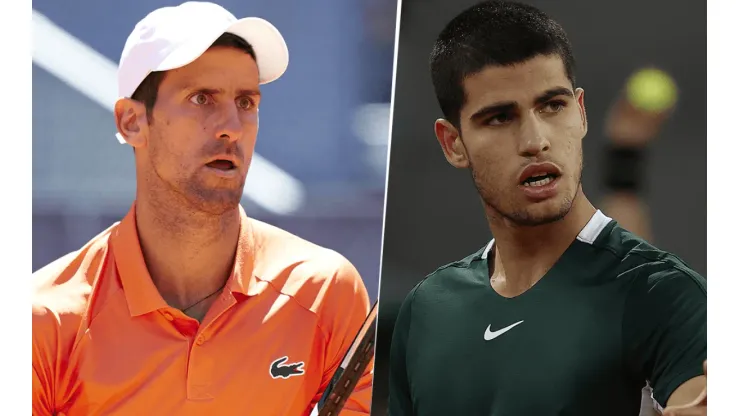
[[554, 106], [499, 119]]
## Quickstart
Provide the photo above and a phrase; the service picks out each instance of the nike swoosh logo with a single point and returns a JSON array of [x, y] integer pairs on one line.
[[488, 335]]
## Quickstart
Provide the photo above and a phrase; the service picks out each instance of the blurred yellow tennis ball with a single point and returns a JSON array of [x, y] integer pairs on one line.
[[652, 90]]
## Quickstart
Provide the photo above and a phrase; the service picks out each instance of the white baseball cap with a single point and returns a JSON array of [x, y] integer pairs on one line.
[[172, 37]]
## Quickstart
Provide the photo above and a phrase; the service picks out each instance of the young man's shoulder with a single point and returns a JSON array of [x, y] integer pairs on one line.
[[451, 277], [639, 258]]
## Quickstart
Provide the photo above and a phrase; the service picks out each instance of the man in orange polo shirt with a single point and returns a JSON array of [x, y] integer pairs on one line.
[[187, 306]]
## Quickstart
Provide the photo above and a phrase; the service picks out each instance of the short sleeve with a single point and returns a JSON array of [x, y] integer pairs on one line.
[[399, 400], [665, 328]]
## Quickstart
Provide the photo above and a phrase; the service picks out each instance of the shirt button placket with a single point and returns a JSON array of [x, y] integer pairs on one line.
[[200, 370]]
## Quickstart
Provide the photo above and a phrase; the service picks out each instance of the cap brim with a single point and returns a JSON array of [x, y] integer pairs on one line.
[[268, 44]]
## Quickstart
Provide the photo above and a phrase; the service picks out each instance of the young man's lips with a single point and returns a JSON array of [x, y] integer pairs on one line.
[[539, 169], [542, 192]]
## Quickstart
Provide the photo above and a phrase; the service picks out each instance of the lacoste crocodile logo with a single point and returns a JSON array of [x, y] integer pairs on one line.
[[277, 370]]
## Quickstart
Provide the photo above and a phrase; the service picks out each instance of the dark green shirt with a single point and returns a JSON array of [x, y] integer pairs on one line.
[[611, 314]]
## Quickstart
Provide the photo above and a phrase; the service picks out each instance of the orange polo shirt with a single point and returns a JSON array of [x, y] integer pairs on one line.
[[269, 344]]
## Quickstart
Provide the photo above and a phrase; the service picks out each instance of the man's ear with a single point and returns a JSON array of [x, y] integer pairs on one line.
[[449, 139], [131, 121]]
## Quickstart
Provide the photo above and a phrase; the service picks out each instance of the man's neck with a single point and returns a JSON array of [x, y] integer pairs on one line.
[[188, 254], [523, 255]]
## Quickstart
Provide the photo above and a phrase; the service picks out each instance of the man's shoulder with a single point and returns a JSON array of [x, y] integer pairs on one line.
[[62, 287], [279, 249], [299, 268]]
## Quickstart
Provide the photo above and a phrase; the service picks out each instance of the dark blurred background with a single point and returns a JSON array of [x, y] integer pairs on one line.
[[323, 136], [433, 215]]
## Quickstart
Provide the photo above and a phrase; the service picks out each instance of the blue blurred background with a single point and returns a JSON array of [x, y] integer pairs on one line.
[[323, 125]]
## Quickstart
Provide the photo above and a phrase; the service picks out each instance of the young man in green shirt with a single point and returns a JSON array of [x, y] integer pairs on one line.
[[564, 312]]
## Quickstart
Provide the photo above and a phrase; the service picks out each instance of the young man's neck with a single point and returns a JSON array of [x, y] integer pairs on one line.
[[189, 254], [522, 255]]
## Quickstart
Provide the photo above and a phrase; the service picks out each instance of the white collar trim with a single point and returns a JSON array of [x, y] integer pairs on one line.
[[488, 249], [595, 226], [588, 234]]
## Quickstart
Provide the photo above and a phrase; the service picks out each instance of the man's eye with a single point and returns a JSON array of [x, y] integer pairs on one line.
[[200, 99], [245, 103]]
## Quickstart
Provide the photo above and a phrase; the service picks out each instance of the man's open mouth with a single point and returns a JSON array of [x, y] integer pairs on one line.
[[221, 164]]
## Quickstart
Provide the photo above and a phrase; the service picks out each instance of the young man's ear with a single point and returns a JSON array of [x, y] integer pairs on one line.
[[449, 139], [131, 121], [580, 93]]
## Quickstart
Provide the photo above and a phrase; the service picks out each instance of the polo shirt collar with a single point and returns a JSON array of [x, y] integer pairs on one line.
[[142, 295]]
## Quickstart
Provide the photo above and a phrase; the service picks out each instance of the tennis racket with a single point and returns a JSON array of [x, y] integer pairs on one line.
[[354, 363]]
